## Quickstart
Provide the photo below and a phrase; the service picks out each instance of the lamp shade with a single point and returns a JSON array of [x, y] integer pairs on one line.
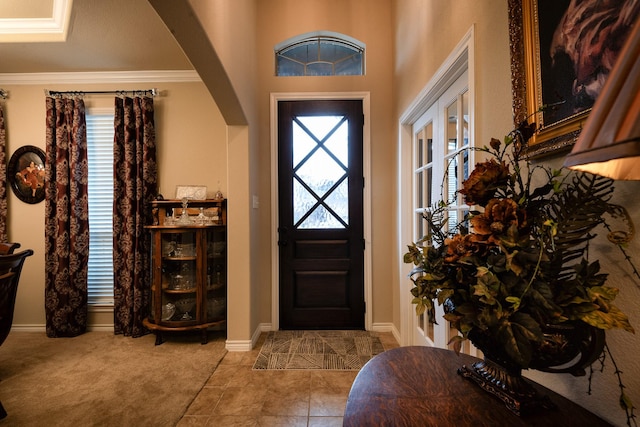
[[609, 144]]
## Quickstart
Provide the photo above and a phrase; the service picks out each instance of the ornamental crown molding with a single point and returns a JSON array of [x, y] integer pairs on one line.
[[52, 28], [160, 76]]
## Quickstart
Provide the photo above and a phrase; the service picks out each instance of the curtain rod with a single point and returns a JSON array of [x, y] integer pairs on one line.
[[3, 93], [154, 92]]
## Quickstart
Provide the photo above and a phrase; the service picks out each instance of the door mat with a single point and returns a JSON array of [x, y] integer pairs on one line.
[[329, 350]]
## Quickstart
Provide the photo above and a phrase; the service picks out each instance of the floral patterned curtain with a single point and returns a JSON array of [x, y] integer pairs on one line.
[[135, 185], [3, 179], [66, 217]]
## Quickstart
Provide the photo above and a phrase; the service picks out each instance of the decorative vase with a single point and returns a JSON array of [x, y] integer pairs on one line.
[[566, 348], [508, 385]]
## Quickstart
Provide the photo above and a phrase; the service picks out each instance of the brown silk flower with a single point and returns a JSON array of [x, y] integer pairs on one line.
[[498, 217], [461, 246], [483, 182]]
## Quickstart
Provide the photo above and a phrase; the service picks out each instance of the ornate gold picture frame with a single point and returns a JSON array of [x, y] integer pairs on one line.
[[539, 79]]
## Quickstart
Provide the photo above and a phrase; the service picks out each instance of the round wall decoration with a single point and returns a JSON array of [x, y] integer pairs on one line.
[[25, 172]]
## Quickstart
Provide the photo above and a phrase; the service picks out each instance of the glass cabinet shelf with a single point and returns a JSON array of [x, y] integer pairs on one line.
[[189, 267]]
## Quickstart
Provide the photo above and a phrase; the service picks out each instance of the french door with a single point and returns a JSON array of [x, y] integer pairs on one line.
[[441, 161]]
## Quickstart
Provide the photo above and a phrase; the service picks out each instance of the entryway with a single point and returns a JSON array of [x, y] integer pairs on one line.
[[320, 223]]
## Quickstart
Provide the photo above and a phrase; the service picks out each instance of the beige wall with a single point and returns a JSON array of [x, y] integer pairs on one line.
[[624, 346], [231, 29], [426, 32], [189, 128]]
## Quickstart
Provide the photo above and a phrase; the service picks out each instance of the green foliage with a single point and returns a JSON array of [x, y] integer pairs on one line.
[[524, 262]]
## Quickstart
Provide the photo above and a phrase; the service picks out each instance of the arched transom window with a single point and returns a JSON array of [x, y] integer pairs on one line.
[[320, 54]]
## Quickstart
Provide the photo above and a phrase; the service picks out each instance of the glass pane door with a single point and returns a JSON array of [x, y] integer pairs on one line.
[[179, 279], [320, 165], [441, 158], [216, 261], [425, 193]]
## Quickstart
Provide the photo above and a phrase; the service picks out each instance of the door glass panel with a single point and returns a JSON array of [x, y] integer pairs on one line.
[[465, 164], [463, 174], [420, 148], [420, 226], [319, 126], [303, 146], [338, 144], [465, 118], [320, 172], [451, 160], [320, 161], [420, 189], [320, 217], [302, 200], [452, 127], [452, 175], [462, 157], [419, 158], [452, 188], [337, 201], [423, 149], [427, 187], [428, 134]]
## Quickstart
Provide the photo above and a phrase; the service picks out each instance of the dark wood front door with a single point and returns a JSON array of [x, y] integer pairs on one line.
[[321, 234]]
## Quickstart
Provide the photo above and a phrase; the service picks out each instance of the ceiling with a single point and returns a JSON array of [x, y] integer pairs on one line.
[[113, 35]]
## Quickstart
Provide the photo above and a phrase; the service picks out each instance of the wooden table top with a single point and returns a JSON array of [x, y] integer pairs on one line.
[[420, 386]]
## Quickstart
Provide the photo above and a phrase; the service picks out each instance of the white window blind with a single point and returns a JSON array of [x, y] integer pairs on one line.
[[100, 157]]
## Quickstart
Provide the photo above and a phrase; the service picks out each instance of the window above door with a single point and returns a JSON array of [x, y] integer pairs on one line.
[[320, 54]]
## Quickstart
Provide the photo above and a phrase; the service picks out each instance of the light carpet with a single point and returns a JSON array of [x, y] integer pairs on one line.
[[330, 350], [102, 379]]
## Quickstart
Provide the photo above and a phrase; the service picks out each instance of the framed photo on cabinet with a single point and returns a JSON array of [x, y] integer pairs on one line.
[[191, 192]]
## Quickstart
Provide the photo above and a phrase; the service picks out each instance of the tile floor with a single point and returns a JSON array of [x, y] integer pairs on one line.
[[236, 395]]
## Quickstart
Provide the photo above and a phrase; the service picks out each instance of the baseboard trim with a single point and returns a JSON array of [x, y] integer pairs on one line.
[[29, 328], [386, 327], [248, 345], [43, 328], [238, 345], [231, 345], [100, 328]]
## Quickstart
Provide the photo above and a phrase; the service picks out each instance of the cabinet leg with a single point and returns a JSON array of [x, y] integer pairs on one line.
[[158, 338], [205, 337]]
